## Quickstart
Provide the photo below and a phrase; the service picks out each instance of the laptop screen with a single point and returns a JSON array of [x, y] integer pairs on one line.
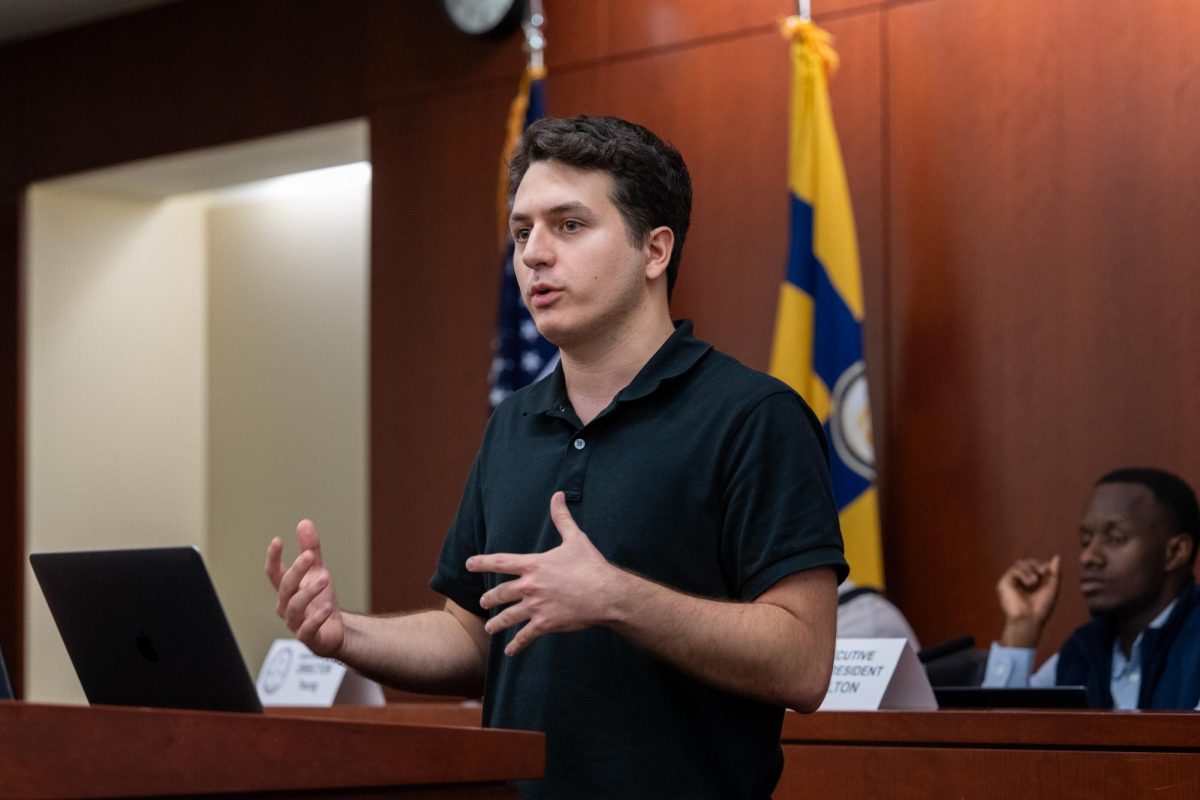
[[6, 690], [144, 627], [1010, 697]]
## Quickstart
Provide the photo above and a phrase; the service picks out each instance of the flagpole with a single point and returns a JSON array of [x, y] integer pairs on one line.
[[535, 40], [805, 8]]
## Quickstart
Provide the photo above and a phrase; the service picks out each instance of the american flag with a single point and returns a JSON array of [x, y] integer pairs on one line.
[[520, 355]]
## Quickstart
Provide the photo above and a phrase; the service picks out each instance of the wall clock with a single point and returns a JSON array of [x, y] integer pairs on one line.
[[494, 18]]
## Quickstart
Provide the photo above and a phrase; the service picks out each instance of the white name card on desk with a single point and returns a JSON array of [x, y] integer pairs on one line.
[[292, 675], [871, 674]]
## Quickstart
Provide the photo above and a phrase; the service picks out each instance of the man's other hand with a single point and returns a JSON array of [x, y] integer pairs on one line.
[[1027, 591], [564, 589], [304, 596]]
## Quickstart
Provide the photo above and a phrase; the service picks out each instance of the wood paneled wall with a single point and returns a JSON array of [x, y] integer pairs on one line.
[[1024, 176], [1044, 269]]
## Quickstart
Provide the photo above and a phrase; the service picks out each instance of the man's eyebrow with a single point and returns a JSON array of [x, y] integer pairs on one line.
[[563, 208]]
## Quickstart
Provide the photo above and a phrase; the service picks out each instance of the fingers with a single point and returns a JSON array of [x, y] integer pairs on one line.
[[307, 632], [523, 639], [1029, 573], [1025, 572], [298, 607], [513, 615], [561, 515], [505, 593], [1052, 572], [289, 583], [274, 567], [519, 612], [306, 535], [503, 563]]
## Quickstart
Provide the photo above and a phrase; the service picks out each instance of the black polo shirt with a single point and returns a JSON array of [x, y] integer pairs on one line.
[[703, 475]]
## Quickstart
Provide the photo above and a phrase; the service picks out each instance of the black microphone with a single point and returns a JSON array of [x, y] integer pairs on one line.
[[946, 648]]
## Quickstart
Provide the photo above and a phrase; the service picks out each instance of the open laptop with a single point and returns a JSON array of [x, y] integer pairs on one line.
[[144, 627], [1010, 697], [6, 690]]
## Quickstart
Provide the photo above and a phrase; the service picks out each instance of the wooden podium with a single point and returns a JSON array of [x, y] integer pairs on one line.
[[412, 751], [68, 752], [1017, 755]]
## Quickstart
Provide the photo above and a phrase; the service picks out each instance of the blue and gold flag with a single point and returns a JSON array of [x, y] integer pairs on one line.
[[818, 347], [519, 353]]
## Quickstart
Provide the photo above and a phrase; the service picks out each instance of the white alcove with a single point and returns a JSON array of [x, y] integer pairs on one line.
[[195, 345]]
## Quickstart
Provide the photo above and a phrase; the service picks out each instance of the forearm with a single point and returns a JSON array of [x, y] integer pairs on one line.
[[758, 650], [1023, 632], [428, 651]]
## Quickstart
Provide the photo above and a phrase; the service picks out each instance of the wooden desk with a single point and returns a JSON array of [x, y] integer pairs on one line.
[[67, 752], [1014, 755]]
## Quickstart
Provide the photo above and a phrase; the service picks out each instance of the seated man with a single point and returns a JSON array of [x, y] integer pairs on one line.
[[1142, 646]]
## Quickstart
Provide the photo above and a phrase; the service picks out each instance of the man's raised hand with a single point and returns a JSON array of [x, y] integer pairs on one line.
[[304, 596], [567, 588], [1027, 592]]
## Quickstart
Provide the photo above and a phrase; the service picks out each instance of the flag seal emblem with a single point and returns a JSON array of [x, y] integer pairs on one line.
[[850, 421]]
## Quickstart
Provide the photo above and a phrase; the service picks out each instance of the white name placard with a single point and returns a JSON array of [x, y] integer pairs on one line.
[[292, 675], [870, 674]]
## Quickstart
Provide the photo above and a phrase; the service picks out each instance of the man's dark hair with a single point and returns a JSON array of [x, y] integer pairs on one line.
[[1172, 494], [651, 183]]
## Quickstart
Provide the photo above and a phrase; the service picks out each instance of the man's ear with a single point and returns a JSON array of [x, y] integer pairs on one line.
[[660, 243], [1179, 551]]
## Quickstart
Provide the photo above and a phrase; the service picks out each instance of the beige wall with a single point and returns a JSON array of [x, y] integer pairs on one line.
[[115, 389], [287, 395], [195, 375]]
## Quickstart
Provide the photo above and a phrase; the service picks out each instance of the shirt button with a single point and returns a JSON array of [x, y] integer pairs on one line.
[[580, 444]]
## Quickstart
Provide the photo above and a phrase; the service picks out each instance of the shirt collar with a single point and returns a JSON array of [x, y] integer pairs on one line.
[[678, 354], [1161, 619], [1121, 665]]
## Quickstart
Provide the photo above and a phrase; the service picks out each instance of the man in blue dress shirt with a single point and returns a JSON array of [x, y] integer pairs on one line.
[[1137, 554]]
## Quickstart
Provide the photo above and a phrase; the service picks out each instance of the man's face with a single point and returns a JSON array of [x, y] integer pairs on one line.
[[579, 274], [1123, 556]]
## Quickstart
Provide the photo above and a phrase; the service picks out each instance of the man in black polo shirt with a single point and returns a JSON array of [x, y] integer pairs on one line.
[[645, 558]]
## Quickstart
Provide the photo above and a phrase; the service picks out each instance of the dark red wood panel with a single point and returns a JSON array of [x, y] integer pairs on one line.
[[435, 277], [12, 475], [1044, 244], [185, 75]]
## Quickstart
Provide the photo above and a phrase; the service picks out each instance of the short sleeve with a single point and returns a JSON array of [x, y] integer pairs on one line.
[[466, 538], [780, 517]]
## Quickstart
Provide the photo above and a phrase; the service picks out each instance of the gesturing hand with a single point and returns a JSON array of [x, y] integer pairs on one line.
[[304, 595], [1027, 592], [564, 589]]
